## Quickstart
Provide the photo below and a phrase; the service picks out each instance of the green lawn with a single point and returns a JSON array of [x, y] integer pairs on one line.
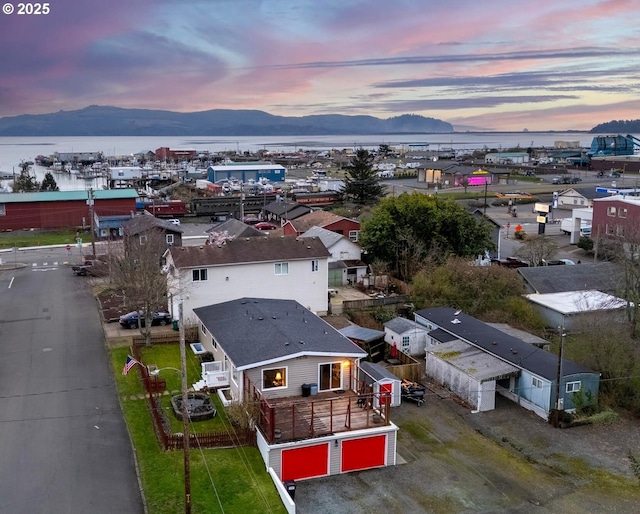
[[25, 238], [234, 478]]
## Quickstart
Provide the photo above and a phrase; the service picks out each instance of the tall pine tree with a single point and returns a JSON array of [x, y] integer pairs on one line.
[[49, 183], [361, 184]]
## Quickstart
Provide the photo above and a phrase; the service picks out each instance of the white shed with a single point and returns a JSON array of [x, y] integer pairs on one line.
[[382, 381], [565, 309], [469, 372], [408, 336]]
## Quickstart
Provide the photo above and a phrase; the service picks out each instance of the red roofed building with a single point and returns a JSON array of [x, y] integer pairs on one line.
[[166, 153]]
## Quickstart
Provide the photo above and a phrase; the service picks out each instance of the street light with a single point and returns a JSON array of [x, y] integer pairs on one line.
[[185, 413]]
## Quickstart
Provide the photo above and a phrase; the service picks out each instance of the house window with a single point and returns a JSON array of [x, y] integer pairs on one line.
[[282, 268], [214, 343], [575, 201], [330, 376], [609, 229], [3, 210], [143, 239], [170, 239], [353, 236], [611, 211], [622, 212], [405, 344], [204, 329], [199, 274], [314, 265], [573, 387], [537, 383], [274, 378], [620, 230]]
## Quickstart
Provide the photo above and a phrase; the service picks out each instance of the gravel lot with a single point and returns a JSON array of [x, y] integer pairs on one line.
[[507, 460]]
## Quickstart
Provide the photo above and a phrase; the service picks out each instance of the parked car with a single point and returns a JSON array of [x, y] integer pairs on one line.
[[265, 225], [558, 262], [614, 174], [510, 262], [131, 319], [175, 221]]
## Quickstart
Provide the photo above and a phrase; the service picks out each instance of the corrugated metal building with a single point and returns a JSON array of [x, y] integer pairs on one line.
[[62, 209]]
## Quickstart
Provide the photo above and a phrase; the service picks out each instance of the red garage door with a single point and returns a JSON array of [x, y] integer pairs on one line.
[[368, 452], [307, 462]]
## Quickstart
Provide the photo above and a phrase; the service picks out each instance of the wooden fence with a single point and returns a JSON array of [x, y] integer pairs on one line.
[[372, 303], [408, 369], [218, 439]]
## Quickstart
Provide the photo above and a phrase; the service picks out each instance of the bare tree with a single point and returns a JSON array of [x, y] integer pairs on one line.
[[137, 270], [536, 249]]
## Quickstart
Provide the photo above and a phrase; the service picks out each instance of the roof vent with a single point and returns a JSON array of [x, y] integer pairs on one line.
[[287, 343], [494, 343], [301, 342], [260, 318]]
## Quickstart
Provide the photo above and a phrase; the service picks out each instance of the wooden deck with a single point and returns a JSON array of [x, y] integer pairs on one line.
[[298, 417]]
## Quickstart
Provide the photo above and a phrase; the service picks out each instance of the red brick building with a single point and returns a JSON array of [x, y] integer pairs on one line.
[[616, 217], [165, 153], [62, 209]]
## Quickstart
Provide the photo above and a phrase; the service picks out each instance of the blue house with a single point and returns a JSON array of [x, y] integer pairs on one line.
[[476, 361]]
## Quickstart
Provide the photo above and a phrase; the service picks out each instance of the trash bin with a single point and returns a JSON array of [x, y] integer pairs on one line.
[[290, 486], [313, 389], [306, 390], [175, 325]]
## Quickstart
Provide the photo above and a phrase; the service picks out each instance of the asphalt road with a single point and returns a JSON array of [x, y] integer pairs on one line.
[[64, 443]]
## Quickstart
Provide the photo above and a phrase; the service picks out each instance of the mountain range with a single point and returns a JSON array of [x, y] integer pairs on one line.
[[114, 121]]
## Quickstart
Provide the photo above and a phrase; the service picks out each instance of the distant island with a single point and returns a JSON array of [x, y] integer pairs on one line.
[[114, 121], [619, 127]]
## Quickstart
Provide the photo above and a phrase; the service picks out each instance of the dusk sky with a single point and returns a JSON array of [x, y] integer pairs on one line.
[[478, 64]]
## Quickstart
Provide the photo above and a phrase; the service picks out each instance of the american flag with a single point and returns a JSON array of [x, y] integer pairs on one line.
[[131, 362]]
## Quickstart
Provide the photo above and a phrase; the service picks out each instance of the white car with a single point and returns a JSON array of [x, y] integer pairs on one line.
[[175, 221]]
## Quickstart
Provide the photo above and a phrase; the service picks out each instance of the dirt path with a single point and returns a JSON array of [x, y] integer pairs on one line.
[[507, 460]]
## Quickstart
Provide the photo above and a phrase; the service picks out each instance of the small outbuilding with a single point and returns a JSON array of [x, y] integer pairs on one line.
[[407, 335], [381, 381]]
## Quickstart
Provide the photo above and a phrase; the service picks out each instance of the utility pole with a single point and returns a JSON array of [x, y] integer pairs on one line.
[[556, 417], [185, 415], [93, 239]]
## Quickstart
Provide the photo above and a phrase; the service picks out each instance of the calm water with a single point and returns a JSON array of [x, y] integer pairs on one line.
[[13, 150]]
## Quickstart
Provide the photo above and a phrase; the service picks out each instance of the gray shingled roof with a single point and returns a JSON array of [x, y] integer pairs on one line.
[[400, 325], [497, 343], [328, 237], [589, 193], [144, 222], [236, 228], [601, 276], [251, 249], [377, 372], [256, 331]]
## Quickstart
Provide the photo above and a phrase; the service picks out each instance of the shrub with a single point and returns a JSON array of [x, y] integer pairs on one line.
[[605, 417]]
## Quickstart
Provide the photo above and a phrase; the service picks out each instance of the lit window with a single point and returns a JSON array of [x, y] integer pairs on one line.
[[282, 268], [573, 387], [272, 378], [537, 383], [199, 274]]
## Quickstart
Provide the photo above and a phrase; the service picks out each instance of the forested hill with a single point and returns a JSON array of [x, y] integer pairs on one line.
[[114, 121], [619, 127]]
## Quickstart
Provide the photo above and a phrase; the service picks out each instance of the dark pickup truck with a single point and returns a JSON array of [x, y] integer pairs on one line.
[[90, 267]]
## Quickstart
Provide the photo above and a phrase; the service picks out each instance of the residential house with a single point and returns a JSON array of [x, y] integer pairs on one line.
[[407, 335], [312, 422], [347, 227], [233, 229], [345, 264], [578, 197], [284, 267], [142, 227], [280, 211], [570, 309], [477, 361]]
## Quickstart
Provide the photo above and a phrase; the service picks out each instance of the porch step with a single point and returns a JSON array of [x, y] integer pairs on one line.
[[199, 385]]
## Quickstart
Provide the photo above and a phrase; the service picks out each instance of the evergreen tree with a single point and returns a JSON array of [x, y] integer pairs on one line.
[[361, 184], [24, 182], [49, 183]]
